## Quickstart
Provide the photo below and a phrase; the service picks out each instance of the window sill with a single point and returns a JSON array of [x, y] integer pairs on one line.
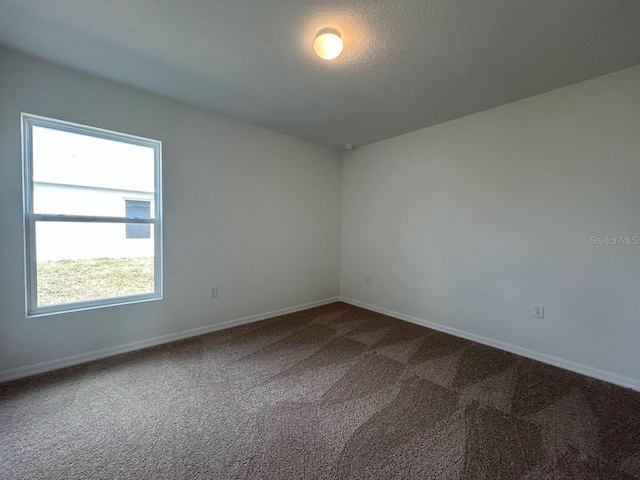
[[92, 305]]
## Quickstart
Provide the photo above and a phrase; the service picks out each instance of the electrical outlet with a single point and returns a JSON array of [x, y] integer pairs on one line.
[[213, 293], [538, 311], [367, 280]]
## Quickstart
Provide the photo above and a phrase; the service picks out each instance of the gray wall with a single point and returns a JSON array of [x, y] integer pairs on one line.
[[252, 211], [469, 223], [466, 224]]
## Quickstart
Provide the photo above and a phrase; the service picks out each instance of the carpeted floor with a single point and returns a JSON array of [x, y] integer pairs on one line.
[[333, 392]]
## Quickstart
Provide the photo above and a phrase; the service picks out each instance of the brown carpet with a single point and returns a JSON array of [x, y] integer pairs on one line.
[[333, 392]]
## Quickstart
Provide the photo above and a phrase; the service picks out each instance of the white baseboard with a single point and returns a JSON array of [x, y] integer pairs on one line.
[[50, 365], [621, 380]]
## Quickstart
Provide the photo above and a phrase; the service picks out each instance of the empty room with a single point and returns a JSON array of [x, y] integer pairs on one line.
[[295, 239]]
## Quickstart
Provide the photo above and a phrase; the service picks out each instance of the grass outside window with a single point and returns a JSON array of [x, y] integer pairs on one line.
[[68, 281]]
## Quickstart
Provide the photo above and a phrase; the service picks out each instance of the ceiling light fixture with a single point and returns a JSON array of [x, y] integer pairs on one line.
[[328, 43]]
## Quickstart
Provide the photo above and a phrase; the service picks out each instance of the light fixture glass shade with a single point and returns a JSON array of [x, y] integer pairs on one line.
[[328, 44]]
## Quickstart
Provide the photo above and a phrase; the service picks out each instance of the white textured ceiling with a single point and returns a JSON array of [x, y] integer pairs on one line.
[[407, 64]]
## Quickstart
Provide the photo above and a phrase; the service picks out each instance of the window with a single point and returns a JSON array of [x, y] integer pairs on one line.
[[75, 179], [138, 209]]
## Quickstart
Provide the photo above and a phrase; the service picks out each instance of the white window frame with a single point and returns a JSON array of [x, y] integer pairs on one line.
[[29, 121]]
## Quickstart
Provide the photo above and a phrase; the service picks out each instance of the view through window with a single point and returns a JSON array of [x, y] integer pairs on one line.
[[92, 216]]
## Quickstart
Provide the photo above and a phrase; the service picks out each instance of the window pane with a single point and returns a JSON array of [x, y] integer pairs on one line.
[[90, 261], [78, 174]]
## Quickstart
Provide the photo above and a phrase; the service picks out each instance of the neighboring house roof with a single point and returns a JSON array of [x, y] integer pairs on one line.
[[145, 193]]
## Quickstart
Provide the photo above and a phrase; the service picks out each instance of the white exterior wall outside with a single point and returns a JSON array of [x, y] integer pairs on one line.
[[60, 241]]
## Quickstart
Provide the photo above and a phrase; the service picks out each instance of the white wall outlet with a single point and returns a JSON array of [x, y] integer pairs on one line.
[[367, 280], [213, 293], [538, 311]]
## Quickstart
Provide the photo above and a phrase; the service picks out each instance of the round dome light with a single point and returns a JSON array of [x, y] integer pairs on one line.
[[328, 43]]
